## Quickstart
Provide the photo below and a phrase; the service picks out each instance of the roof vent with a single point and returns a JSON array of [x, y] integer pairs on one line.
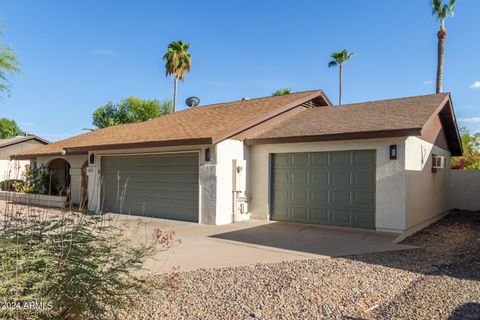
[[245, 99]]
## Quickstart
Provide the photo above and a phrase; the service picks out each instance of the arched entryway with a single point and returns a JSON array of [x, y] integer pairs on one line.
[[59, 169]]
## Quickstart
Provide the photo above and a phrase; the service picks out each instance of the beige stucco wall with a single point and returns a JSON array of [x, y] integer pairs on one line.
[[226, 152], [465, 189], [20, 147], [390, 174], [427, 193], [12, 169]]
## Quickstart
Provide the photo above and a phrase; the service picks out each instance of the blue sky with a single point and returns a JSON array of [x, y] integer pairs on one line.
[[78, 55]]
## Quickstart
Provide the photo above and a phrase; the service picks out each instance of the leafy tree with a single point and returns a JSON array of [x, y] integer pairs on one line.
[[134, 109], [440, 12], [166, 107], [106, 116], [339, 58], [471, 151], [178, 61], [282, 92], [9, 64], [129, 110], [9, 128]]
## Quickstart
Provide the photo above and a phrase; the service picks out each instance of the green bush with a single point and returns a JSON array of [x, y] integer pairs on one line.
[[12, 185], [470, 160], [39, 181], [70, 265]]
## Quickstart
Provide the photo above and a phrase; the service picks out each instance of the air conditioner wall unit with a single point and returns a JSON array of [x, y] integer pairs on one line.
[[438, 162]]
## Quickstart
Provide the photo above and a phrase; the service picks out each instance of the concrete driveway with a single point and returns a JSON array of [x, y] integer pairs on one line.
[[252, 242]]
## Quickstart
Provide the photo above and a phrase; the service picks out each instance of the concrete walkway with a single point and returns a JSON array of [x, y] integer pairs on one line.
[[252, 242]]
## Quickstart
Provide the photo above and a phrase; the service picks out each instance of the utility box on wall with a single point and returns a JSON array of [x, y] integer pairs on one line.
[[239, 182], [239, 178]]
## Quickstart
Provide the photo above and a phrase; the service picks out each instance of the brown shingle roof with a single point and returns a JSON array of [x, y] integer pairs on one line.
[[394, 115], [204, 125], [14, 140]]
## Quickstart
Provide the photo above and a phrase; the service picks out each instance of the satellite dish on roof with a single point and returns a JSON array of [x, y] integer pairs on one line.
[[192, 102]]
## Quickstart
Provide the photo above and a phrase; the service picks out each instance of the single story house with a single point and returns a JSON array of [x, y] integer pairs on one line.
[[14, 169], [382, 165]]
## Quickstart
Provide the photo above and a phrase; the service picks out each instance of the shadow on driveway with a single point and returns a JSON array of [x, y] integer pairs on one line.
[[319, 240]]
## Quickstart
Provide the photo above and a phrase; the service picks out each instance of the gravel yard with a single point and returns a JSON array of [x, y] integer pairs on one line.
[[439, 281]]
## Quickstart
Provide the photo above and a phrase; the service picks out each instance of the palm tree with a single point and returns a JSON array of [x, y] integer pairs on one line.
[[177, 62], [282, 92], [339, 58], [441, 11], [9, 64]]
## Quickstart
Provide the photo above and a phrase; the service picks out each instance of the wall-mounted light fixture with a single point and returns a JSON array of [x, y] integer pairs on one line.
[[393, 152], [207, 154], [91, 159]]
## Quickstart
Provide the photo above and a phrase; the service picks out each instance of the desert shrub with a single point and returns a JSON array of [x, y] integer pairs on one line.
[[12, 185], [69, 265]]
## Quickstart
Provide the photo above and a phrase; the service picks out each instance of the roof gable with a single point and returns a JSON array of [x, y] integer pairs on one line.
[[14, 140], [383, 118], [200, 125]]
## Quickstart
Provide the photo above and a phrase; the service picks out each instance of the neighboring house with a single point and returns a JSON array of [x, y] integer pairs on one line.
[[289, 158], [13, 169]]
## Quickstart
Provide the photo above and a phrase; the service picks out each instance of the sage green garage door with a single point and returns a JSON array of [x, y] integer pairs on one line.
[[331, 188], [164, 186]]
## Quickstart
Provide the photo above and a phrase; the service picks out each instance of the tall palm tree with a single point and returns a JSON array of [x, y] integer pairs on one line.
[[339, 58], [441, 11], [178, 61]]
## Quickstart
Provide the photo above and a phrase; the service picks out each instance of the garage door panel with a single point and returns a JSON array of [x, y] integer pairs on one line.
[[319, 178], [334, 188], [341, 217], [361, 197], [282, 213], [281, 195], [319, 196], [340, 178], [363, 217], [321, 216], [299, 195], [299, 213], [299, 177], [319, 159], [161, 195], [364, 178], [282, 160], [281, 176], [163, 186], [341, 158], [299, 160], [364, 158], [340, 197]]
